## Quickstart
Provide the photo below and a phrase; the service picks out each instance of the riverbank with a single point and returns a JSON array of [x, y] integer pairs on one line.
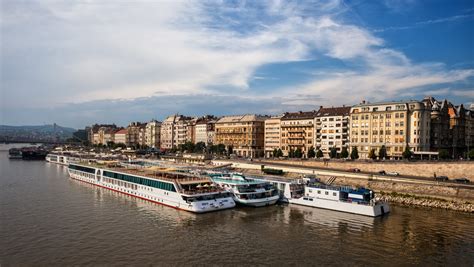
[[434, 196], [421, 201]]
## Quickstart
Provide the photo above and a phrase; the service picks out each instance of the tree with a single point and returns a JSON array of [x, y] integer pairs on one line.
[[291, 153], [311, 153], [333, 153], [275, 153], [220, 148], [298, 153], [470, 154], [372, 154], [443, 154], [230, 149], [280, 153], [199, 147], [344, 153], [319, 153], [407, 153], [383, 152], [354, 153]]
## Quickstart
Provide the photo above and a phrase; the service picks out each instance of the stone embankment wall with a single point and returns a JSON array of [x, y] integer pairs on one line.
[[424, 169]]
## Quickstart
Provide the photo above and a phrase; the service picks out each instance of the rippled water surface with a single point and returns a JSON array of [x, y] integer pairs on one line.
[[47, 218]]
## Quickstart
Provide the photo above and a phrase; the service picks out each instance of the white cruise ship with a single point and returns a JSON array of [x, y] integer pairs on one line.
[[60, 159], [247, 191], [339, 198], [178, 190]]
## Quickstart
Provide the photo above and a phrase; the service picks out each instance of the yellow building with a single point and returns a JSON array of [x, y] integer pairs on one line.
[[245, 133], [395, 125], [297, 131]]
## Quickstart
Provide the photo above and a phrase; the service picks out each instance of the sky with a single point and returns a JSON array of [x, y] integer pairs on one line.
[[76, 63]]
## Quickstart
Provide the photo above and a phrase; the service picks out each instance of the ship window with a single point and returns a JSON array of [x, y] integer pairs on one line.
[[319, 191], [327, 193], [334, 194]]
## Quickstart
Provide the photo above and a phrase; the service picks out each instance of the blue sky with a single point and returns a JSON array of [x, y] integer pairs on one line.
[[77, 63]]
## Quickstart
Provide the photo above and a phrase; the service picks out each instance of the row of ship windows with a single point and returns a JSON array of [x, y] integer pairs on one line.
[[141, 181], [326, 192]]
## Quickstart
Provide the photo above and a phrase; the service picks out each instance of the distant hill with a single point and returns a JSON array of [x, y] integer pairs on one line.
[[50, 132]]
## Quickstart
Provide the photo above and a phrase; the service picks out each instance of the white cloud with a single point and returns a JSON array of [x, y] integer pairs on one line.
[[60, 52], [465, 93]]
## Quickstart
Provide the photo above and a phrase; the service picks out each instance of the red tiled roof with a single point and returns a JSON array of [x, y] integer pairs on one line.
[[123, 131]]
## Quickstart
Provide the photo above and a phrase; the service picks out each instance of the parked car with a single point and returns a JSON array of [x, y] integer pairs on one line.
[[354, 170], [393, 173], [441, 178], [382, 172], [462, 180]]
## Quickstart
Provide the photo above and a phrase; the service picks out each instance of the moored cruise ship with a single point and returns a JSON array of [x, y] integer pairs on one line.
[[339, 198], [247, 191], [178, 190], [59, 159]]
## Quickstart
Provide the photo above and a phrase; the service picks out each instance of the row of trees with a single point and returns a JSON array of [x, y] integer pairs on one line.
[[201, 147], [312, 153]]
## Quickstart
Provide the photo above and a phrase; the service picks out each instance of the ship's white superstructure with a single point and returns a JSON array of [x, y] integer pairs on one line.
[[340, 198], [178, 190], [247, 191]]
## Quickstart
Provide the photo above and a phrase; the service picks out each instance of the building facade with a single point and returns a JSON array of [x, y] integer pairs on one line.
[[297, 131], [332, 129], [395, 125], [244, 133], [136, 134], [174, 131], [272, 135], [121, 137], [152, 134]]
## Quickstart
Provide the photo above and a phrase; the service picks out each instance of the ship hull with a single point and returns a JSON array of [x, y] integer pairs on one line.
[[375, 210]]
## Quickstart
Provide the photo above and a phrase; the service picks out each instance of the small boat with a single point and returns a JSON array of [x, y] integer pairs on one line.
[[247, 191]]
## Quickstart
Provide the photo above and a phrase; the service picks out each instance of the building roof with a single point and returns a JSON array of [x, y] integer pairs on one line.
[[300, 115], [122, 131], [333, 111], [364, 104], [242, 118]]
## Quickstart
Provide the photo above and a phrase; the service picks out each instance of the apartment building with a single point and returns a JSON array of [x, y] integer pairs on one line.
[[204, 130], [470, 128], [93, 133], [121, 137], [332, 129], [297, 131], [451, 127], [152, 134], [272, 135], [245, 133], [174, 131], [395, 125], [136, 134]]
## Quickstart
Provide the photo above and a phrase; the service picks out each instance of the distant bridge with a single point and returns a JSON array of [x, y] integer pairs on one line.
[[33, 141]]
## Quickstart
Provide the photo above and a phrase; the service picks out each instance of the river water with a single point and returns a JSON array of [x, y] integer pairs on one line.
[[48, 219]]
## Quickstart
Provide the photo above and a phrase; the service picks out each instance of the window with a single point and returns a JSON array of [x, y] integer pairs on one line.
[[327, 193], [334, 194]]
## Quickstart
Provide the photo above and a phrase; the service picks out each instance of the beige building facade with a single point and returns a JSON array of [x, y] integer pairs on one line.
[[245, 133], [297, 131], [152, 134], [272, 135], [395, 125], [332, 129]]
